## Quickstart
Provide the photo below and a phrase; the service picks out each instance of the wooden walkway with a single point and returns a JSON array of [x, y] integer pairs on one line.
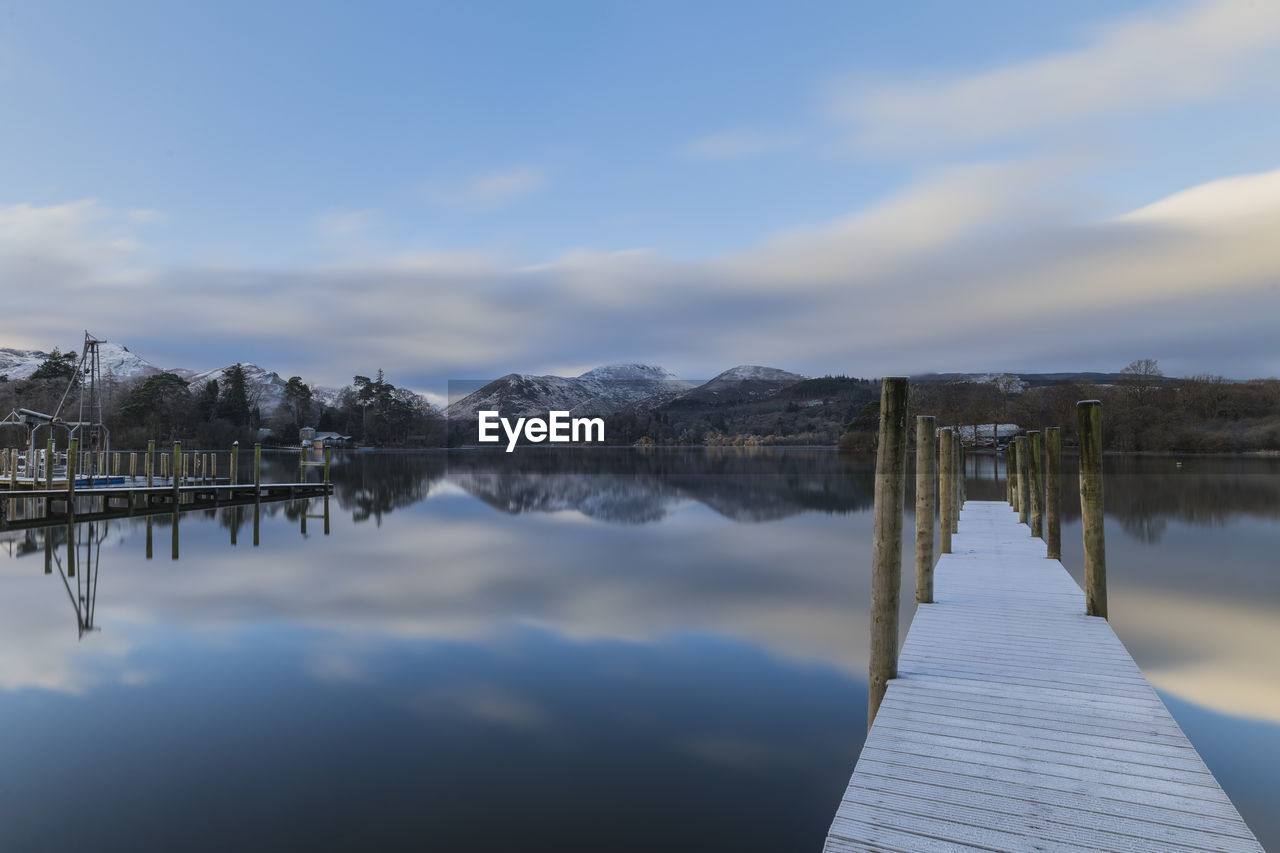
[[1019, 723]]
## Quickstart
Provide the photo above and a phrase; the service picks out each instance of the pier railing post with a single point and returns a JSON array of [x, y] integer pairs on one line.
[[1037, 484], [235, 463], [1024, 480], [926, 487], [1052, 492], [48, 464], [150, 463], [1089, 424], [176, 469], [73, 448], [886, 558], [946, 494], [327, 453], [257, 471]]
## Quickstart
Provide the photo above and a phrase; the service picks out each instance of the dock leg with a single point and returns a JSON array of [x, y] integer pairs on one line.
[[1089, 423], [886, 559], [926, 485]]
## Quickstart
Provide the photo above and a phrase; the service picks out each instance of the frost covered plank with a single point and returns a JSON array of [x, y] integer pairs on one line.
[[1019, 723]]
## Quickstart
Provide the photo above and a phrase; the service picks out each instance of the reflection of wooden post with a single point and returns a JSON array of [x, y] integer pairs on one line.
[[326, 514], [926, 476], [48, 550], [235, 523], [1037, 484], [1089, 425], [235, 463], [946, 494], [306, 505], [1053, 495], [150, 464], [175, 533], [149, 551], [1024, 480], [886, 555], [257, 518], [71, 544]]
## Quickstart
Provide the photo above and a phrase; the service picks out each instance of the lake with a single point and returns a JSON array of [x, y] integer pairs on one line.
[[572, 650]]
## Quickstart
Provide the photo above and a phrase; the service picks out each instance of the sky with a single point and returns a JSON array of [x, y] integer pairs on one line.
[[453, 191]]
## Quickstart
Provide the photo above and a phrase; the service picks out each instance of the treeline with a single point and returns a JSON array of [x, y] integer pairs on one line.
[[166, 407], [1144, 411]]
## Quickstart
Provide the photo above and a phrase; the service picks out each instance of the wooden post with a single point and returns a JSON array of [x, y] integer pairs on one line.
[[886, 555], [150, 463], [1089, 425], [945, 492], [133, 465], [235, 463], [13, 468], [1037, 484], [1011, 471], [257, 471], [956, 477], [177, 469], [1024, 480], [1053, 495], [328, 452], [926, 500], [48, 464], [302, 464], [964, 474], [213, 468], [71, 474]]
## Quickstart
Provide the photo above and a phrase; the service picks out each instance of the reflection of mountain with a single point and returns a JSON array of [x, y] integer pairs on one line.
[[632, 487]]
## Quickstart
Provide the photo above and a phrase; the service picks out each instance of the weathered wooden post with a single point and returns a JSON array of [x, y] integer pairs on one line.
[[257, 472], [1011, 471], [1024, 480], [48, 464], [13, 468], [1089, 426], [235, 463], [328, 453], [177, 469], [956, 476], [1053, 495], [150, 463], [886, 557], [964, 474], [302, 464], [1037, 484], [926, 486], [946, 494], [133, 466], [72, 449]]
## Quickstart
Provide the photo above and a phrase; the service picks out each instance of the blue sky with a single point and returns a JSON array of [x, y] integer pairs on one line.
[[462, 190]]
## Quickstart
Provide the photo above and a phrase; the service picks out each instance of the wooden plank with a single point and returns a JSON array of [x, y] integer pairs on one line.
[[1019, 723]]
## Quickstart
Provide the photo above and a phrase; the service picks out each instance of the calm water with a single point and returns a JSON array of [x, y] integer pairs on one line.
[[583, 650]]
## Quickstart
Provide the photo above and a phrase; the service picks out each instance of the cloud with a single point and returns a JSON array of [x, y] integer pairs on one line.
[[343, 224], [737, 144], [497, 188], [1151, 61]]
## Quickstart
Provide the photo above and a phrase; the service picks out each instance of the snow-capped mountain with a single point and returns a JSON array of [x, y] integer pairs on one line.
[[597, 392], [115, 361], [740, 384], [265, 387]]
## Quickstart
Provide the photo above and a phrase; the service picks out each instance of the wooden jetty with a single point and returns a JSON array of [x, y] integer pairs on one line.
[[1012, 720]]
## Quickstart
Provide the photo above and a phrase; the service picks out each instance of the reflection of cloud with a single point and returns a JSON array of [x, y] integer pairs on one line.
[[1211, 653], [488, 703]]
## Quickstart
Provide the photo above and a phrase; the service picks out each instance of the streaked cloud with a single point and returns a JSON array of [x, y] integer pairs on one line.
[[737, 144], [494, 189], [1155, 60]]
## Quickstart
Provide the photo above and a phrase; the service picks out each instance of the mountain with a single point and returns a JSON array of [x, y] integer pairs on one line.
[[597, 392], [265, 387], [742, 384], [115, 361]]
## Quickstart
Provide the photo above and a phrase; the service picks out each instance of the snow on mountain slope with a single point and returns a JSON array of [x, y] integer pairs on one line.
[[115, 360], [265, 387], [600, 391]]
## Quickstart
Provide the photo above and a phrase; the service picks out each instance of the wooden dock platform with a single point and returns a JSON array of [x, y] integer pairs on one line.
[[1018, 723]]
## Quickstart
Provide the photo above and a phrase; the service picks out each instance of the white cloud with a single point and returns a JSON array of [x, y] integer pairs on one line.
[[497, 188], [343, 224], [736, 144], [1155, 60]]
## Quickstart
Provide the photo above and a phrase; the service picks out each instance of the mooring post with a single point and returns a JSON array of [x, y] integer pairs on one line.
[[133, 467], [964, 474], [13, 468], [302, 464], [48, 464], [257, 473], [1052, 492], [72, 447], [886, 553], [926, 498], [177, 469], [1024, 480], [946, 494], [1037, 484], [328, 452], [1011, 471], [956, 476], [150, 462], [235, 463], [1089, 426]]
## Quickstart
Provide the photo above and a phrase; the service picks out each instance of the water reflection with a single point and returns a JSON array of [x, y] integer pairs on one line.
[[674, 641]]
